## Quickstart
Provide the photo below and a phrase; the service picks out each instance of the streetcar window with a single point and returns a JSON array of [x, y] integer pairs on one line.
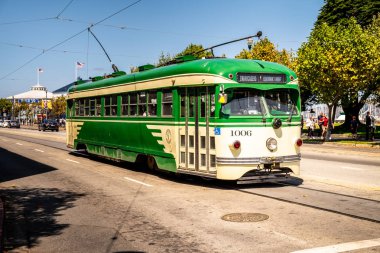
[[77, 107], [281, 101], [167, 103], [243, 102], [183, 105], [152, 103], [80, 107], [133, 104], [142, 104], [212, 107], [86, 104], [98, 107], [92, 106], [192, 98], [70, 107], [203, 105], [110, 106], [124, 105]]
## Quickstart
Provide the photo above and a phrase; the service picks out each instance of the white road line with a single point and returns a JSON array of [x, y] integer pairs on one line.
[[350, 168], [343, 247], [39, 150], [72, 161], [19, 144], [136, 181]]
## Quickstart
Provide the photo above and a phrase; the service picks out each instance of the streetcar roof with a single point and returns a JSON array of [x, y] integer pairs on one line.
[[220, 67]]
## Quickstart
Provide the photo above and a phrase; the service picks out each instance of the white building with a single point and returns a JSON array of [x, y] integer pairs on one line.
[[34, 95]]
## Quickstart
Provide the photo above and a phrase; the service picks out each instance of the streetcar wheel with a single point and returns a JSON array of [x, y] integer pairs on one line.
[[151, 163]]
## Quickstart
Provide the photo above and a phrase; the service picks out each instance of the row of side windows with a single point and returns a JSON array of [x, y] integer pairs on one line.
[[131, 104]]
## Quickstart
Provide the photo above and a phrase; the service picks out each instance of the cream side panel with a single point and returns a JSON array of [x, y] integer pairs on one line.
[[152, 84], [255, 145], [72, 131], [166, 136]]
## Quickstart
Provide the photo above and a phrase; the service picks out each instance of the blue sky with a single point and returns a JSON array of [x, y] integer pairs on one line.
[[134, 37]]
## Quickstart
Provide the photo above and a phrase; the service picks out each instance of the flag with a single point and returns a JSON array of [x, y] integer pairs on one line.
[[40, 70], [80, 65]]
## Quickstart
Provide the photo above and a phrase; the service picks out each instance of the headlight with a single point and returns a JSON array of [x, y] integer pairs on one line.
[[271, 144]]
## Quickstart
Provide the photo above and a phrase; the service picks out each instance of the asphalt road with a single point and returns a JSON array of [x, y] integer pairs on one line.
[[60, 201]]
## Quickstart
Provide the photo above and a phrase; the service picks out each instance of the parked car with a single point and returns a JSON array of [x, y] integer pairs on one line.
[[6, 123], [48, 125], [14, 123]]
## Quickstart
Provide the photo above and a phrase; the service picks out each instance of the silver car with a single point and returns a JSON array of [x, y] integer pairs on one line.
[[6, 123]]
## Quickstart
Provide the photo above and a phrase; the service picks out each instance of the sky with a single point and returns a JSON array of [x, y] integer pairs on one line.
[[53, 35]]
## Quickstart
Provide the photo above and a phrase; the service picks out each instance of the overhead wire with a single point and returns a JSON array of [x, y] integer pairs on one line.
[[64, 8], [27, 21], [71, 37], [37, 48]]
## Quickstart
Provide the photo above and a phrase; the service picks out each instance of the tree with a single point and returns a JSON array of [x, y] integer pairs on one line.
[[58, 106], [18, 107], [193, 49], [340, 11], [5, 106], [164, 59], [338, 61], [265, 50]]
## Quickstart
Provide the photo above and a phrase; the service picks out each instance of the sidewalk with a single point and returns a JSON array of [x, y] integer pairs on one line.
[[35, 127], [343, 140]]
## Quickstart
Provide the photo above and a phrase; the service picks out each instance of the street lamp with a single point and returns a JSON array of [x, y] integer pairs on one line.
[[249, 43]]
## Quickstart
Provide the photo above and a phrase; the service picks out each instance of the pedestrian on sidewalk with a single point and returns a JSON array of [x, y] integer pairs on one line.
[[325, 122], [370, 127], [320, 124], [310, 127], [354, 124]]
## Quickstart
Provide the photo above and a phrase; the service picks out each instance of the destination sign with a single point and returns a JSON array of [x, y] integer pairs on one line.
[[260, 78]]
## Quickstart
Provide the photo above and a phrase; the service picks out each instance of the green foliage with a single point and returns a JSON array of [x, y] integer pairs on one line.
[[192, 49], [338, 60], [164, 59], [5, 105], [58, 106], [265, 50], [340, 11]]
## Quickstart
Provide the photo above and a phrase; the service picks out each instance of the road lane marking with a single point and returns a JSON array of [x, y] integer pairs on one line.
[[39, 150], [136, 181], [343, 247], [350, 168], [19, 143], [72, 161]]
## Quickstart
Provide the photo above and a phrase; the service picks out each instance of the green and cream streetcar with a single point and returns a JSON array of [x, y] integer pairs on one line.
[[227, 119]]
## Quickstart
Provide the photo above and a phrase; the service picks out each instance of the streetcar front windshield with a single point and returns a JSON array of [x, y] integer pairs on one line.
[[281, 101], [243, 102], [252, 102]]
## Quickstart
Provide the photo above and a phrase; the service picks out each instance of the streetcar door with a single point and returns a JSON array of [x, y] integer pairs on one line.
[[197, 141]]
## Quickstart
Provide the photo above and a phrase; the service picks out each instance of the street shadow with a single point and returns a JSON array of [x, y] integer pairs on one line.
[[15, 166], [187, 178], [30, 213]]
